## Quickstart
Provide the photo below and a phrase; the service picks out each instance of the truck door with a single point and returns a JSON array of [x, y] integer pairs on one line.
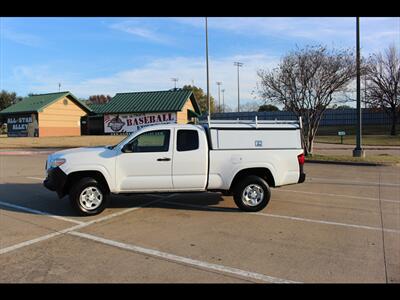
[[190, 163], [147, 166]]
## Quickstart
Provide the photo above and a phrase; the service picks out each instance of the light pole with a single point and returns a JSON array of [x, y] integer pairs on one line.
[[223, 100], [208, 79], [175, 80], [358, 151], [365, 91], [219, 96], [238, 64]]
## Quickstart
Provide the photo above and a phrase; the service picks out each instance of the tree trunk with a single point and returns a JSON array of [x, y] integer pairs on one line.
[[308, 139], [394, 121], [310, 144], [304, 143]]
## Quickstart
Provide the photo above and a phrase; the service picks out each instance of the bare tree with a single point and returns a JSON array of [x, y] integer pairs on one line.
[[99, 99], [305, 82], [383, 88], [249, 106], [226, 108]]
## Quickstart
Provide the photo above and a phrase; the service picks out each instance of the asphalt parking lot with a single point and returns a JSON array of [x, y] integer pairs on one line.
[[341, 225]]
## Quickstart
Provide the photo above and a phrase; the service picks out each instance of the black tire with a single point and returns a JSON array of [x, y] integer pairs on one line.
[[245, 182], [75, 193]]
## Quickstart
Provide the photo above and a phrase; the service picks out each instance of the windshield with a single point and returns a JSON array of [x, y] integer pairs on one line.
[[123, 140]]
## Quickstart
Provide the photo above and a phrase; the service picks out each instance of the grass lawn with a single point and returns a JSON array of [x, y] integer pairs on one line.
[[379, 159], [59, 142], [367, 140]]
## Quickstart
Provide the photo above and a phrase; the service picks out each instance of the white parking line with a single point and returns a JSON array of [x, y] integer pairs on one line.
[[39, 239], [152, 252], [182, 259], [39, 212], [36, 178], [338, 195], [327, 222], [290, 218], [77, 227], [351, 182]]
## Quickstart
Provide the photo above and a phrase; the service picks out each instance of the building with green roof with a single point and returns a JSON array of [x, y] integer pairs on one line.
[[52, 114], [128, 112], [62, 114]]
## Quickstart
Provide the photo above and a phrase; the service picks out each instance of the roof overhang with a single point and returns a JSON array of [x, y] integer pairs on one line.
[[195, 104], [193, 114]]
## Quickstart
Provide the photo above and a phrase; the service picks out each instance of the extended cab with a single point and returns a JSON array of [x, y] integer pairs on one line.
[[243, 158]]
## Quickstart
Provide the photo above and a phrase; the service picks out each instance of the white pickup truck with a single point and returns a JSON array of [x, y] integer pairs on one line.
[[243, 158]]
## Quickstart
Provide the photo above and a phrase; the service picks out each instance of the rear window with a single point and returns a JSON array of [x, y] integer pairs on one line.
[[187, 140]]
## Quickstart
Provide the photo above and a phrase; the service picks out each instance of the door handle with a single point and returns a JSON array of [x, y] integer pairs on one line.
[[163, 159]]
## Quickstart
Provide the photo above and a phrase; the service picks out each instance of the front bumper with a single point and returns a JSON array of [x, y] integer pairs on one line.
[[55, 181]]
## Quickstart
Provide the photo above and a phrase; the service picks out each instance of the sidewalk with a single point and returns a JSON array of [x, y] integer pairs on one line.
[[341, 149], [28, 151]]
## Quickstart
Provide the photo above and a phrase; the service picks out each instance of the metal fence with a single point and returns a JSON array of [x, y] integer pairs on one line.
[[333, 120], [373, 122], [331, 117]]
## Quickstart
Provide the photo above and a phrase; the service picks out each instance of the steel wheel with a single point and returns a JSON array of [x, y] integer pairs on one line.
[[91, 198], [252, 195]]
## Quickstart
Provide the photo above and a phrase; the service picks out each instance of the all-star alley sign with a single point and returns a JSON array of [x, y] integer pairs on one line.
[[18, 126]]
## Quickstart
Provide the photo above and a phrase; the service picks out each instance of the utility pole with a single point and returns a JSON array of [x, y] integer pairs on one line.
[[238, 64], [223, 100], [219, 96], [59, 86], [358, 151], [208, 79], [175, 80]]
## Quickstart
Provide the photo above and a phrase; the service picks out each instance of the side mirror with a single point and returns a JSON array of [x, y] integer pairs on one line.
[[127, 148]]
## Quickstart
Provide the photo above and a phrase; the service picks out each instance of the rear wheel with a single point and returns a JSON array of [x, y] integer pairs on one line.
[[252, 194], [88, 197]]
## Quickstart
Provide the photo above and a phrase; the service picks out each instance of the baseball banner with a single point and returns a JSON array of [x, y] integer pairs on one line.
[[128, 123]]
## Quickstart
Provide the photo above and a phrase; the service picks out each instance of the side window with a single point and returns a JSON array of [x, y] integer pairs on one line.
[[187, 140], [151, 141]]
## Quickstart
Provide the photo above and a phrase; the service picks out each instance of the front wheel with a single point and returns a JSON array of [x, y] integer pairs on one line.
[[88, 197], [252, 194]]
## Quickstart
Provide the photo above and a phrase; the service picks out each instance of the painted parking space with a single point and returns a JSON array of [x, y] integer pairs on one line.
[[17, 227], [281, 248], [325, 230]]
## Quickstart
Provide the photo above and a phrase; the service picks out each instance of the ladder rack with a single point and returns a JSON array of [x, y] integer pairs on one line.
[[254, 122]]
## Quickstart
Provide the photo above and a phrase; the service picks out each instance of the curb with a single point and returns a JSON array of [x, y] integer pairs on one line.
[[348, 163], [24, 152], [5, 152], [367, 149]]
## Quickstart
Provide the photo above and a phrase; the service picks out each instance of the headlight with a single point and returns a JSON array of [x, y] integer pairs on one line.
[[56, 162]]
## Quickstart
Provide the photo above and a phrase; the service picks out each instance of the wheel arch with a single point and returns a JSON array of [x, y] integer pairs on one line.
[[262, 172], [77, 175]]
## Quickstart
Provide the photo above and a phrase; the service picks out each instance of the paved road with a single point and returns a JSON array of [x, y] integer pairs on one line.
[[341, 225]]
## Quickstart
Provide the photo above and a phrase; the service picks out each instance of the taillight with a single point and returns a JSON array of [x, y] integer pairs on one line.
[[300, 158]]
